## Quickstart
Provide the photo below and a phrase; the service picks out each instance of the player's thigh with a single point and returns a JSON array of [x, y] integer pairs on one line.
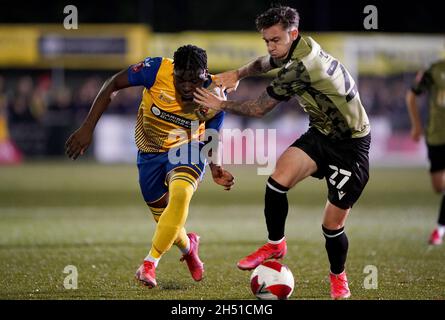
[[152, 173], [293, 166], [190, 162], [334, 217], [346, 171]]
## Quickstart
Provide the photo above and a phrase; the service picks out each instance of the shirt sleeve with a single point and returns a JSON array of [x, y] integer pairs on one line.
[[284, 86], [216, 122], [144, 73], [422, 82]]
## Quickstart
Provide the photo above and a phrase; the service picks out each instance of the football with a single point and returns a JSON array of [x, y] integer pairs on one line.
[[272, 280]]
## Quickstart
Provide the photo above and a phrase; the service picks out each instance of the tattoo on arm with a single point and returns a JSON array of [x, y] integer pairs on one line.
[[252, 108], [256, 67]]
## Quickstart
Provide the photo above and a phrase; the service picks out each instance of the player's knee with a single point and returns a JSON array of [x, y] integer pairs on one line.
[[438, 187], [438, 181], [332, 230], [185, 178], [275, 186], [281, 178], [182, 188]]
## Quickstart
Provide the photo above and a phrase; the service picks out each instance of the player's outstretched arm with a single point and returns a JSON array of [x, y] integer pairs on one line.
[[252, 108], [80, 140], [230, 79], [413, 110]]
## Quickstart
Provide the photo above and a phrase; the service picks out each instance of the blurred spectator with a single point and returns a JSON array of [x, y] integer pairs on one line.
[[58, 121], [84, 97]]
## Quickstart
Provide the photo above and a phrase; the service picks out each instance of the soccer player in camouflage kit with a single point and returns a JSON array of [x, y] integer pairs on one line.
[[335, 147], [433, 82]]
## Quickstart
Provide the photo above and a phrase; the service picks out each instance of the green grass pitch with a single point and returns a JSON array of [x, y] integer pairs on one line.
[[92, 216]]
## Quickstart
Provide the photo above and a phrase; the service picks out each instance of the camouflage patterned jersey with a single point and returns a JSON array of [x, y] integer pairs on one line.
[[323, 87], [433, 82]]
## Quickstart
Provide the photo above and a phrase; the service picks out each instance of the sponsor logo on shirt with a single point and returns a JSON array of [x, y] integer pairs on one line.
[[166, 97], [170, 117]]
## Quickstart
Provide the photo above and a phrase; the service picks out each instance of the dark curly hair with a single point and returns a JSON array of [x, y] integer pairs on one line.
[[286, 16], [190, 57]]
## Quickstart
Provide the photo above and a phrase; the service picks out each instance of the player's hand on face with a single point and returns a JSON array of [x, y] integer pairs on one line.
[[78, 142], [222, 177], [207, 99], [228, 80]]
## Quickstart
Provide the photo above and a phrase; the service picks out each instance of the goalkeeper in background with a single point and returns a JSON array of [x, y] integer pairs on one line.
[[167, 108], [432, 81]]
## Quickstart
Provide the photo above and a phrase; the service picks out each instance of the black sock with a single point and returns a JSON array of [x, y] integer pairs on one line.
[[441, 219], [275, 209], [337, 248]]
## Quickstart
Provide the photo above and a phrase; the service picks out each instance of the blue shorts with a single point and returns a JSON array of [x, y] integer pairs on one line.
[[154, 168]]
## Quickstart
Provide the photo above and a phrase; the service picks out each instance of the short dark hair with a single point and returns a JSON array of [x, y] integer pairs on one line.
[[190, 57], [286, 16]]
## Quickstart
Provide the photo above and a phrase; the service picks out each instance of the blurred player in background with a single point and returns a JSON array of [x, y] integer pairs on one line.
[[9, 153], [166, 107], [335, 147], [433, 82]]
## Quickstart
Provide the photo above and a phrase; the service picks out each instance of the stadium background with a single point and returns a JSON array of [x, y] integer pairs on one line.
[[89, 213]]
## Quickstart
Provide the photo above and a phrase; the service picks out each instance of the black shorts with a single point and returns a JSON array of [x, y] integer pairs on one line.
[[344, 164], [436, 154]]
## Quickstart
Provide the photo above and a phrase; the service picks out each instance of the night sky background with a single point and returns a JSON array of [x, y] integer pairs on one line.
[[425, 16]]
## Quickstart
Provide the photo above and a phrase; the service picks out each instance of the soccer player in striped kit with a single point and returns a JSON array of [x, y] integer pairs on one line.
[[166, 110]]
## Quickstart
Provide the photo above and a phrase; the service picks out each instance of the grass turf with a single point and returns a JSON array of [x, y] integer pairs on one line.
[[55, 214]]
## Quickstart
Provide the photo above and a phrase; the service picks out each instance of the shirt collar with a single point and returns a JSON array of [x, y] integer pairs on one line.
[[292, 48]]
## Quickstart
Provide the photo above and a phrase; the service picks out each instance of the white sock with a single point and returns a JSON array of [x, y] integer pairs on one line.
[[276, 242], [152, 259], [187, 247], [441, 230]]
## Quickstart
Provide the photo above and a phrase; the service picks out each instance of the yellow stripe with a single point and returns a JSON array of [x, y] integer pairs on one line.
[[156, 211], [184, 174], [193, 182], [168, 173]]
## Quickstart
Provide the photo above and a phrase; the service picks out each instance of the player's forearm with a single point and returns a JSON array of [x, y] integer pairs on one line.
[[258, 66], [413, 109], [250, 108]]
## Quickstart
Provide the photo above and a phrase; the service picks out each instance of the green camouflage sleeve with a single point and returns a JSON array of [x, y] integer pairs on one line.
[[291, 80]]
